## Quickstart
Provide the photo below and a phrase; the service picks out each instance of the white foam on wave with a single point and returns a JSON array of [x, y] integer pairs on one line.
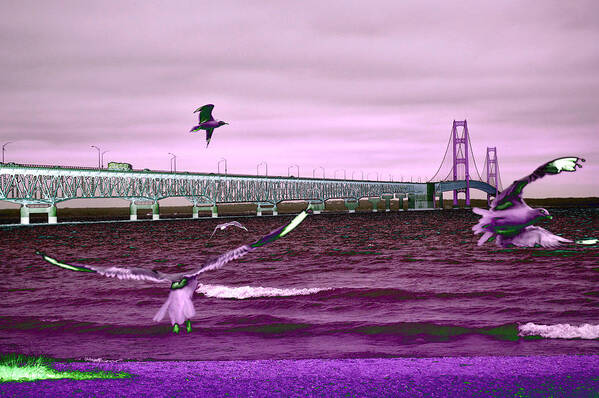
[[244, 292], [560, 331], [100, 360]]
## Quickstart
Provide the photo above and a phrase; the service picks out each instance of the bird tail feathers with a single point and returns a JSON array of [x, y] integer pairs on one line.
[[162, 311], [484, 238], [485, 220], [480, 212]]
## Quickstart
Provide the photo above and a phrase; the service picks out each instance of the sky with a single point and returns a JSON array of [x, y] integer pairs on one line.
[[352, 87]]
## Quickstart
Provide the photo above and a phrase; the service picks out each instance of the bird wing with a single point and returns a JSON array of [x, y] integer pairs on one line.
[[224, 225], [228, 224], [208, 136], [113, 272], [245, 249], [512, 195], [532, 235], [237, 224], [221, 226], [205, 113]]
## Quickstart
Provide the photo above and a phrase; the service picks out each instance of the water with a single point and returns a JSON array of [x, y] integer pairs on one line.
[[339, 286]]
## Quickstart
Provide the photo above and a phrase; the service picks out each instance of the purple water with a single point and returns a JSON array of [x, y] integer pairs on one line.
[[383, 285]]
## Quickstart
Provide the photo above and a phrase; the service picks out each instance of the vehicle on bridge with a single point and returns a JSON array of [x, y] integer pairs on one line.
[[119, 166]]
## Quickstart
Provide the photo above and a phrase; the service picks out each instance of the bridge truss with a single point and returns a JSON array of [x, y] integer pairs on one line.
[[39, 188]]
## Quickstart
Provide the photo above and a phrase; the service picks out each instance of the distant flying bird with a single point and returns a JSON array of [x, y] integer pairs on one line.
[[228, 224], [510, 219], [207, 122], [178, 305]]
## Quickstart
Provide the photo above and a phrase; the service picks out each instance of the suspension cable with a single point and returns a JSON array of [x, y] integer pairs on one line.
[[441, 165], [485, 167], [499, 183], [473, 158]]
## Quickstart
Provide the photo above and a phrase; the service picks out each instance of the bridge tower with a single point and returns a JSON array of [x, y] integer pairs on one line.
[[460, 157], [492, 168]]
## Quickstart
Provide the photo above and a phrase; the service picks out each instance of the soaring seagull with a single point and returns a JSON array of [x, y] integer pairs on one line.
[[178, 305], [510, 219], [207, 122], [227, 224]]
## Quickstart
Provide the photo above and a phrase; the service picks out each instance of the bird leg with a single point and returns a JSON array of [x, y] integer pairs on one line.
[[188, 325], [176, 328]]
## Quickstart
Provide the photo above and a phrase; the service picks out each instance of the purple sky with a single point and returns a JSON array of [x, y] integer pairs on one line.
[[362, 86]]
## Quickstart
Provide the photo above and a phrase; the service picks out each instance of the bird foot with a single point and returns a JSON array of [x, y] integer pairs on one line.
[[188, 326], [176, 328]]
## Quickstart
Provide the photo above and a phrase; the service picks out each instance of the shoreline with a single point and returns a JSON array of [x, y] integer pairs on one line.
[[561, 375], [8, 217], [11, 216]]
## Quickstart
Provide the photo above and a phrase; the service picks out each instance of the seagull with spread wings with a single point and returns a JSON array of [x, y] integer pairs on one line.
[[226, 225], [206, 122], [510, 219], [179, 305]]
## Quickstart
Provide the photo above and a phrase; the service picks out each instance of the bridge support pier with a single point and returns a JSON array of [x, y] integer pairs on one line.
[[266, 207], [24, 214], [155, 211], [316, 205], [50, 210], [132, 211], [209, 207], [375, 204], [400, 196], [411, 201], [387, 198], [351, 205], [133, 207], [52, 216], [440, 200]]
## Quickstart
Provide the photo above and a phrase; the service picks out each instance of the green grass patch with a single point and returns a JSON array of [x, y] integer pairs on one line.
[[21, 368]]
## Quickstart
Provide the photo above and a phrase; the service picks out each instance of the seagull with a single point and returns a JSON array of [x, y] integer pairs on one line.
[[510, 219], [179, 305], [206, 122], [228, 224]]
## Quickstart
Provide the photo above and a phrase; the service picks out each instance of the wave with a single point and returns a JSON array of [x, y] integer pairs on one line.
[[100, 360], [365, 293], [245, 292], [560, 331]]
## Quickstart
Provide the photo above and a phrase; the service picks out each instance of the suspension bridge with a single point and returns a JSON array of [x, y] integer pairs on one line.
[[38, 188]]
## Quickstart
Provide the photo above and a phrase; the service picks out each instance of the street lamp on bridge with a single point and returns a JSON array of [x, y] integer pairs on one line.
[[99, 155], [4, 146], [293, 165], [314, 171], [361, 173], [173, 162], [377, 175], [102, 158], [258, 167], [219, 162], [343, 170]]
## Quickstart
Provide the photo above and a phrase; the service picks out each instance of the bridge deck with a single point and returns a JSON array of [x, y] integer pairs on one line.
[[34, 185]]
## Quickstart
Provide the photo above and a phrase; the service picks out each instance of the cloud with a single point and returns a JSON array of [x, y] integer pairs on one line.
[[341, 84]]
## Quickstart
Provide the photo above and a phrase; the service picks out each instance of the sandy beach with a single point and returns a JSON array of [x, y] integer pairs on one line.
[[539, 376]]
